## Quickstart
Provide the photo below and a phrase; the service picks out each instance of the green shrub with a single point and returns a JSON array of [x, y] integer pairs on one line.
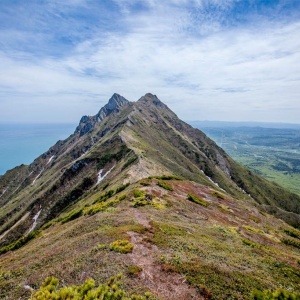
[[165, 185], [122, 197], [138, 193], [121, 188], [105, 196], [292, 232], [105, 186], [277, 295], [109, 157], [134, 270], [91, 210], [130, 161], [218, 195], [88, 290], [250, 243], [166, 177], [71, 198], [197, 200], [141, 198], [72, 216], [20, 242], [145, 182], [141, 201], [291, 242], [121, 246]]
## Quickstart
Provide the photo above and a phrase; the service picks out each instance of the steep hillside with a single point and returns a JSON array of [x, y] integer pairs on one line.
[[137, 191]]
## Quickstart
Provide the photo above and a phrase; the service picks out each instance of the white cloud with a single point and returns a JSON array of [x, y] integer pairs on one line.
[[233, 73]]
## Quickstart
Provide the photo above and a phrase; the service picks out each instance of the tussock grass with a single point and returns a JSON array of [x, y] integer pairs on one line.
[[279, 294], [292, 232], [291, 242], [121, 246], [134, 270], [165, 185], [218, 195], [88, 290], [102, 206], [20, 242], [197, 200]]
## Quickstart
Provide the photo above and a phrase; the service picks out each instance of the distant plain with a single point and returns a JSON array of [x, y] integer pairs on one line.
[[271, 152]]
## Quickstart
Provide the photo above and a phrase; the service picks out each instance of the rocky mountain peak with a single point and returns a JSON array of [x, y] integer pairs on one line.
[[149, 99], [115, 102], [87, 123]]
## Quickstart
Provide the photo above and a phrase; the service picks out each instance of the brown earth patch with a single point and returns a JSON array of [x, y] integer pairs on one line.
[[166, 285]]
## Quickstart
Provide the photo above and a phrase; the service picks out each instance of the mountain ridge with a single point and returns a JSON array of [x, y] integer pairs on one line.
[[175, 147], [169, 170]]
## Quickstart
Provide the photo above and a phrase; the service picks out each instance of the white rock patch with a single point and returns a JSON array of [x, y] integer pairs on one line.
[[35, 221], [50, 159], [3, 192], [33, 182], [101, 177]]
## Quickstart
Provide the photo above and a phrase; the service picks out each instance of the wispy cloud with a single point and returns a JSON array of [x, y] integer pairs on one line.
[[206, 59]]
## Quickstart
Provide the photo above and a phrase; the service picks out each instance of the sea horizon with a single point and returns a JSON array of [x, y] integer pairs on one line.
[[21, 143]]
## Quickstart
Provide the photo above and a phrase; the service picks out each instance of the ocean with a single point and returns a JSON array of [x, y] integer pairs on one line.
[[22, 143]]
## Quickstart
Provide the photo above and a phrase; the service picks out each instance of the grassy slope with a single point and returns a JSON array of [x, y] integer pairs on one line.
[[186, 150], [195, 241]]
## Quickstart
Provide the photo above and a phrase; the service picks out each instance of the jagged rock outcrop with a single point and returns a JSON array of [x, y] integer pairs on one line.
[[87, 123]]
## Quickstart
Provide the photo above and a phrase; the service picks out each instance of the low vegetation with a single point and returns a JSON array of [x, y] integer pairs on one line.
[[134, 270], [165, 185], [276, 295], [121, 246], [218, 195], [101, 206], [109, 157], [71, 197], [130, 161], [167, 177], [250, 243], [20, 242], [88, 290], [72, 216], [121, 188], [292, 232], [197, 200], [291, 242]]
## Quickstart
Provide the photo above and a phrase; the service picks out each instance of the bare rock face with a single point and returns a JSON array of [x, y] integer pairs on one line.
[[87, 123]]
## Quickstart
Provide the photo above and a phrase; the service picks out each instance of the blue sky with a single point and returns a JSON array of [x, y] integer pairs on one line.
[[228, 60]]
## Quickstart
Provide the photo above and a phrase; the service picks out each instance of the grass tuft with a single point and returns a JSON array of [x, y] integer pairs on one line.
[[20, 242], [134, 270], [292, 232], [291, 242], [250, 243], [276, 295], [121, 246], [197, 200], [165, 185], [72, 216], [88, 290]]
